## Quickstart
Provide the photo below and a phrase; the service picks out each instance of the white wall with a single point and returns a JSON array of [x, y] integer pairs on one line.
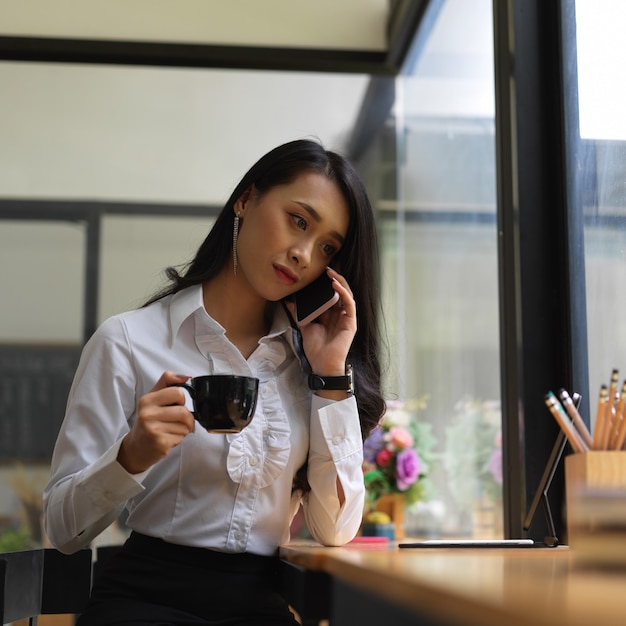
[[358, 24], [164, 135]]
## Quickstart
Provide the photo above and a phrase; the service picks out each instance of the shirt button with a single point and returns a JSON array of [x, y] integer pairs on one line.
[[237, 535], [264, 391], [336, 440], [253, 461]]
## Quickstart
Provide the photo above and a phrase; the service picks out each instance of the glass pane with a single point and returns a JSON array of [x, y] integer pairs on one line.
[[42, 281], [439, 250], [601, 99], [40, 337], [140, 248]]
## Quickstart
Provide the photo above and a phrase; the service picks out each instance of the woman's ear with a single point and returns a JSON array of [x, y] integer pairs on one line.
[[242, 202]]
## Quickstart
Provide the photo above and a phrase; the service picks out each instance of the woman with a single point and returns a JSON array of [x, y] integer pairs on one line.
[[208, 511]]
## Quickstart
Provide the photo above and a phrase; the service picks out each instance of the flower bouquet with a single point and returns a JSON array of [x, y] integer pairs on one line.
[[397, 454]]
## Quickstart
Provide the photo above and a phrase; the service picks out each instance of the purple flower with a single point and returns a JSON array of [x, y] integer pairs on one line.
[[408, 468], [373, 444]]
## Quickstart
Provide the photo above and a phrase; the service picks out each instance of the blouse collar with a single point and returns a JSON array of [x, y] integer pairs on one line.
[[186, 302]]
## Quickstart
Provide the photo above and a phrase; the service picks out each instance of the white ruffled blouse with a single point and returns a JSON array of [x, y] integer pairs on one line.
[[231, 492]]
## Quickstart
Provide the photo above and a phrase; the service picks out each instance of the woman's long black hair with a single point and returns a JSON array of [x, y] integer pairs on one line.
[[357, 260]]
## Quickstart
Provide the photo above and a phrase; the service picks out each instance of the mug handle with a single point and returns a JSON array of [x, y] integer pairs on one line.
[[192, 393]]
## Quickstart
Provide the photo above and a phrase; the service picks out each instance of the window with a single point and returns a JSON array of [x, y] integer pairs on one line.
[[432, 170], [601, 97]]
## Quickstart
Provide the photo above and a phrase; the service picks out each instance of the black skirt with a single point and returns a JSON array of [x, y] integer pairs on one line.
[[152, 582]]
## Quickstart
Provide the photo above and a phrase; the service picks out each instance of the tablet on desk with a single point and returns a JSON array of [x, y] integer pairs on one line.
[[473, 543]]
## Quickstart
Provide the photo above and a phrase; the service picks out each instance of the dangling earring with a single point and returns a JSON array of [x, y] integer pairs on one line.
[[235, 235]]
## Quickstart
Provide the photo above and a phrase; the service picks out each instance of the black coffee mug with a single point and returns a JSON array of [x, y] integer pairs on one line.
[[223, 403]]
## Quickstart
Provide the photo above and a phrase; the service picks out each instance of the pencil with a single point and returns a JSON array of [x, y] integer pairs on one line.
[[618, 418], [564, 422], [577, 420], [621, 407], [609, 411], [598, 429]]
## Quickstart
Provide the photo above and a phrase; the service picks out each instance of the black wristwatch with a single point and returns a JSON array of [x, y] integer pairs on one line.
[[333, 383]]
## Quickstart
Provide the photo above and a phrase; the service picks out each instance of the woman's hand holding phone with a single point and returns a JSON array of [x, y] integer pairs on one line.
[[326, 341]]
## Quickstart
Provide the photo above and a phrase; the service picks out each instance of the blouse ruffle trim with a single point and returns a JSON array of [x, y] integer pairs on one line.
[[265, 440], [260, 452]]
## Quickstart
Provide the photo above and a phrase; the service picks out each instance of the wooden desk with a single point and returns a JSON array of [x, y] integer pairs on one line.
[[463, 586]]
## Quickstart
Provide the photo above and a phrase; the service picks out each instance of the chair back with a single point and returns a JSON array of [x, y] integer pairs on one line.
[[43, 582]]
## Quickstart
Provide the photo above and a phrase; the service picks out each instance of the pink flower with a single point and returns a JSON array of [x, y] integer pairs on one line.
[[498, 439], [495, 465], [408, 468], [400, 437], [383, 458]]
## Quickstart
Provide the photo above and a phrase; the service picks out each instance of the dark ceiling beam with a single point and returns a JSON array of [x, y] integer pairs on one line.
[[57, 50]]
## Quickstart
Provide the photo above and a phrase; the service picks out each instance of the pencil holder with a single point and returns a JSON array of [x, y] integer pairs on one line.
[[595, 501]]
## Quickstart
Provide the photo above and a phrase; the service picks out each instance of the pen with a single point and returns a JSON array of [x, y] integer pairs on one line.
[[564, 422], [577, 420], [599, 425]]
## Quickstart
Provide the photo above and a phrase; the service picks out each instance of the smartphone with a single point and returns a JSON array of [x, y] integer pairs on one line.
[[314, 299]]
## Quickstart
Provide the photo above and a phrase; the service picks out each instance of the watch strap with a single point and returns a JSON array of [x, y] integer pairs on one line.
[[332, 383]]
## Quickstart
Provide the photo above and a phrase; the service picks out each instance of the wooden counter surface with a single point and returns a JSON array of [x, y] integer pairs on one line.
[[476, 586]]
